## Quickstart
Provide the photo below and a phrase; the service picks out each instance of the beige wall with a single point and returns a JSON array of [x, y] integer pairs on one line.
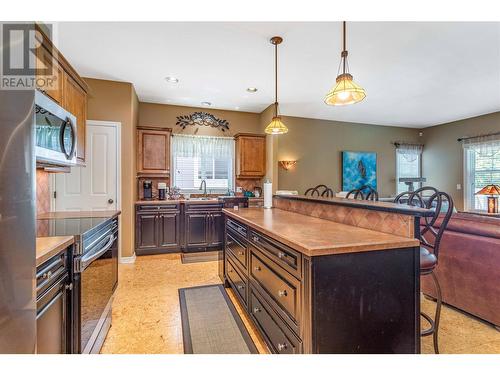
[[117, 101], [443, 161], [317, 146], [162, 115]]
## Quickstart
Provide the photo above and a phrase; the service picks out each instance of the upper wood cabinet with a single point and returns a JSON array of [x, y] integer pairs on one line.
[[153, 150], [75, 101], [45, 60], [250, 155], [69, 89]]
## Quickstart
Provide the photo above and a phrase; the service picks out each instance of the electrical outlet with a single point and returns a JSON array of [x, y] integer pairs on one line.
[[239, 189], [459, 186]]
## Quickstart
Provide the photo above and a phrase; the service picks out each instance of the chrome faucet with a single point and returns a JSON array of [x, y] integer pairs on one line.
[[203, 186]]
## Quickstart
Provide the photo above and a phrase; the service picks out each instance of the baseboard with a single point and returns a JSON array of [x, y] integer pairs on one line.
[[128, 260]]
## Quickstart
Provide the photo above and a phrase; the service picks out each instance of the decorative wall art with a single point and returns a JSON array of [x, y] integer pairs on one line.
[[358, 169], [202, 119]]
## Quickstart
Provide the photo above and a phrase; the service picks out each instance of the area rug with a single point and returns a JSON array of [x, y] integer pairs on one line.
[[211, 324], [209, 256]]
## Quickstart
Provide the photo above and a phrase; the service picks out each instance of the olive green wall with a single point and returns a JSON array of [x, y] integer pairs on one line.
[[443, 159], [317, 147]]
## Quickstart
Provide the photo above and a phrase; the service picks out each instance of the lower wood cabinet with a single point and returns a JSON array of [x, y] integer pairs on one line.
[[203, 226], [172, 227], [157, 229], [53, 317]]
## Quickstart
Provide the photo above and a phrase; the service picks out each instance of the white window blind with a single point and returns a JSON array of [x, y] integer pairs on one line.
[[198, 158], [482, 167], [408, 164]]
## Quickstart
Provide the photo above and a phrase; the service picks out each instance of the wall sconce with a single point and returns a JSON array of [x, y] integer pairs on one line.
[[287, 164]]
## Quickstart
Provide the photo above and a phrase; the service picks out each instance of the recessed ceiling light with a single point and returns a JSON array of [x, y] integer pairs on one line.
[[252, 89], [206, 104], [172, 79]]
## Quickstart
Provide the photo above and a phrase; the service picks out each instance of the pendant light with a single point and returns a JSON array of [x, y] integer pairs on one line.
[[345, 91], [276, 126]]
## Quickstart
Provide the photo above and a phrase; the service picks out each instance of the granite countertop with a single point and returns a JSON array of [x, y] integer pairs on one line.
[[313, 236], [77, 214], [47, 247]]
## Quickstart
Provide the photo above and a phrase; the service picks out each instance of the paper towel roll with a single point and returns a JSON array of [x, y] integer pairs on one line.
[[268, 194]]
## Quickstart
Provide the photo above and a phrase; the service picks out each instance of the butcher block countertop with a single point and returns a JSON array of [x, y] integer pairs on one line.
[[47, 247], [313, 236]]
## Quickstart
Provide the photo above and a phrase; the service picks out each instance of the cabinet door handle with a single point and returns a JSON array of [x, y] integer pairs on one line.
[[256, 239], [257, 268], [282, 347], [256, 310], [281, 255], [47, 275], [282, 293], [241, 253], [240, 287], [69, 286]]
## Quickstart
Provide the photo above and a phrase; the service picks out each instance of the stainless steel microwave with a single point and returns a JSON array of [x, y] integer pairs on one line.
[[55, 132]]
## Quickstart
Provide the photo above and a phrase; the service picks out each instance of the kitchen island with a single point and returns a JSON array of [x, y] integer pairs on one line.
[[315, 278]]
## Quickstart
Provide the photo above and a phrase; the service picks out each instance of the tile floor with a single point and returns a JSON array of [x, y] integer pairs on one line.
[[146, 315]]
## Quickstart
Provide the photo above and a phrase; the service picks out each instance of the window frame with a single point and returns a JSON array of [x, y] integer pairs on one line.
[[416, 184], [231, 179], [469, 184]]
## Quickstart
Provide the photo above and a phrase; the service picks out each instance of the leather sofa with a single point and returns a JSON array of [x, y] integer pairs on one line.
[[469, 266]]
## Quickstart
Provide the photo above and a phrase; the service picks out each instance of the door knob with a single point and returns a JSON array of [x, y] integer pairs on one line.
[[111, 201]]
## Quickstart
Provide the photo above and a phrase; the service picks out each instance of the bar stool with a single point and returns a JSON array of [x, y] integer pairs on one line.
[[430, 239], [319, 191], [371, 195]]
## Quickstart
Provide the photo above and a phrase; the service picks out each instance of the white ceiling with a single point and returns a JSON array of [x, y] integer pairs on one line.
[[416, 74]]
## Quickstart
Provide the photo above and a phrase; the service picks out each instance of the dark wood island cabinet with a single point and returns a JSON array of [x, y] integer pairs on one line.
[[313, 285]]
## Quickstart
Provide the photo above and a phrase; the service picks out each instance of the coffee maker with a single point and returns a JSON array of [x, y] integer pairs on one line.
[[147, 188]]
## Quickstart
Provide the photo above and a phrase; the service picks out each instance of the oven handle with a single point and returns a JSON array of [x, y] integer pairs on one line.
[[89, 258]]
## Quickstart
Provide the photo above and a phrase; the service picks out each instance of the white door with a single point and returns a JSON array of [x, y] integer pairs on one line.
[[94, 187]]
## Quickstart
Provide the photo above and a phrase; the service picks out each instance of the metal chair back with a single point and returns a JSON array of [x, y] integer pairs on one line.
[[371, 195], [319, 191], [434, 201]]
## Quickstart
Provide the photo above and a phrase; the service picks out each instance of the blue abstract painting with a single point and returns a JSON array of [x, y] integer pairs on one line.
[[358, 169]]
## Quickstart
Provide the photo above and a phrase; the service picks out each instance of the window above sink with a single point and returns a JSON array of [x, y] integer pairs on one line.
[[199, 158]]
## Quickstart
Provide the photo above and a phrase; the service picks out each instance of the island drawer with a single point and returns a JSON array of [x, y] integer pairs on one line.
[[238, 227], [278, 336], [237, 247], [283, 255], [238, 282], [283, 288]]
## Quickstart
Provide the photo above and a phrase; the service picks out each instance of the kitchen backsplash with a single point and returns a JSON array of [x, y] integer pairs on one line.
[[249, 184], [42, 192]]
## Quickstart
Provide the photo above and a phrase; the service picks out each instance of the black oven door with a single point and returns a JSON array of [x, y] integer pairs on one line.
[[97, 282]]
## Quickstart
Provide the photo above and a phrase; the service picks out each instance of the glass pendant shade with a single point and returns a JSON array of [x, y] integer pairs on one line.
[[276, 126], [345, 91]]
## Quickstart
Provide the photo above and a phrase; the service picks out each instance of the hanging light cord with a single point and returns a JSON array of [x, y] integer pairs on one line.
[[276, 80], [344, 63]]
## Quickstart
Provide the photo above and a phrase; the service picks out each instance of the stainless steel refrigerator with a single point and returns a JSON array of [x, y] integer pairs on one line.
[[17, 223]]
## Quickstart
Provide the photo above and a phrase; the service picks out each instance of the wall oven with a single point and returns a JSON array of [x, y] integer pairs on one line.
[[55, 130]]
